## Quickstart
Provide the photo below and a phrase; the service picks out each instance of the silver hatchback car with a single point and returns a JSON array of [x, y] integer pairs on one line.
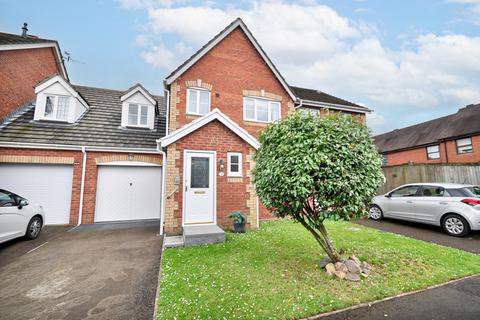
[[455, 207]]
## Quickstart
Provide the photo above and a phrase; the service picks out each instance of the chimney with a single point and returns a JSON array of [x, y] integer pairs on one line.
[[24, 30]]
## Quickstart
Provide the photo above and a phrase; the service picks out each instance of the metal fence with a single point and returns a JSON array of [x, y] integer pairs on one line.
[[411, 173]]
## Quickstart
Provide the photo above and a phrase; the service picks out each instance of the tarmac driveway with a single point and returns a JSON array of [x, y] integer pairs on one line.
[[425, 232], [92, 273]]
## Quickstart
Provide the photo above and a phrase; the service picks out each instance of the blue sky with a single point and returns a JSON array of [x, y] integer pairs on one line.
[[410, 61]]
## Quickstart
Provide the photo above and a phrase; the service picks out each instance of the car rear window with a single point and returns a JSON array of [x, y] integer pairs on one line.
[[464, 192]]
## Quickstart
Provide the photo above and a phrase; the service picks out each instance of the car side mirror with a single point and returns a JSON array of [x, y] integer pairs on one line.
[[388, 195], [22, 203]]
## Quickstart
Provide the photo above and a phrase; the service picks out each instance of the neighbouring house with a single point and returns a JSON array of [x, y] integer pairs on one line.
[[24, 61], [451, 139], [92, 154]]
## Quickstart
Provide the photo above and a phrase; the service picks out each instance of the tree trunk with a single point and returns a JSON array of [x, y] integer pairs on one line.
[[321, 235]]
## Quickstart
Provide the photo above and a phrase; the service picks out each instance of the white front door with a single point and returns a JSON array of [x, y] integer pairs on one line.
[[199, 187]]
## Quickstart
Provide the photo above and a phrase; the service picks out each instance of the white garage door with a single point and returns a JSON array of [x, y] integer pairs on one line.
[[128, 193], [45, 184]]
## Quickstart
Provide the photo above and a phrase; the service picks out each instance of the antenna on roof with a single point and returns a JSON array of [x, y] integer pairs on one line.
[[24, 30], [69, 58]]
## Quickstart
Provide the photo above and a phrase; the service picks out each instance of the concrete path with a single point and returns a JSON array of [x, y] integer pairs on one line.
[[94, 274], [455, 301]]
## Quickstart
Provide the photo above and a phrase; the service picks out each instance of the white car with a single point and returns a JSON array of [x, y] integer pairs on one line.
[[455, 207], [18, 218]]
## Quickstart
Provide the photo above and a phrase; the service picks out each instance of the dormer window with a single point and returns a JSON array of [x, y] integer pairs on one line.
[[198, 101], [57, 100], [137, 115], [56, 107], [138, 108]]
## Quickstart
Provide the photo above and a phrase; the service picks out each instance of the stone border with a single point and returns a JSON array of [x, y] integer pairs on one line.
[[157, 290], [369, 304], [36, 159], [127, 157]]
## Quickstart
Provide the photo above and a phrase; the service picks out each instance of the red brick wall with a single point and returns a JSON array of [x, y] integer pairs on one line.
[[90, 187], [231, 196], [232, 66], [453, 157], [419, 155], [20, 70]]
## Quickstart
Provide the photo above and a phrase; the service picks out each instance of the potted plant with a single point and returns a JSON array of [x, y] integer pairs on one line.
[[239, 221]]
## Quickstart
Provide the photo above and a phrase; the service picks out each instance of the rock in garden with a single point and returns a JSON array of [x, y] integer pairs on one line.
[[352, 277], [365, 265], [324, 262], [357, 261], [330, 268], [340, 274], [352, 266], [340, 266]]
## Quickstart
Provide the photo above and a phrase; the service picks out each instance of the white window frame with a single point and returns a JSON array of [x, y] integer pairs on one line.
[[464, 145], [240, 164], [197, 107], [139, 113], [55, 107], [429, 152], [270, 102]]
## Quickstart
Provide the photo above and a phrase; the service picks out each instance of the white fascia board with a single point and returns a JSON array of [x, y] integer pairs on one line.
[[37, 46], [7, 144], [226, 32], [142, 91], [215, 114], [44, 85], [333, 106]]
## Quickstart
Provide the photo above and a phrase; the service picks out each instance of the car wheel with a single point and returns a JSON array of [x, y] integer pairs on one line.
[[375, 213], [455, 225], [33, 229]]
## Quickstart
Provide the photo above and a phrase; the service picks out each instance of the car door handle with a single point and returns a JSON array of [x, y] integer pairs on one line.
[[444, 203], [409, 201]]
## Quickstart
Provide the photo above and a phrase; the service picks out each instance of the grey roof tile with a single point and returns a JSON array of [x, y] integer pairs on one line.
[[319, 96], [463, 123], [99, 126]]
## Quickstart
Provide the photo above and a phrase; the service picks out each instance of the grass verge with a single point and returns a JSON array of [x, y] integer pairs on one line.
[[274, 273]]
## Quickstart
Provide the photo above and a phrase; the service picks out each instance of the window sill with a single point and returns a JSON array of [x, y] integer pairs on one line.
[[53, 120], [195, 114], [234, 175]]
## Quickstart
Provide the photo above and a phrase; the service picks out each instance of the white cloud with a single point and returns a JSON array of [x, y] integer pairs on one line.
[[316, 47], [375, 120], [473, 7]]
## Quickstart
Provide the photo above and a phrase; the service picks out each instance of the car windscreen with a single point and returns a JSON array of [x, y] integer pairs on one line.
[[465, 192]]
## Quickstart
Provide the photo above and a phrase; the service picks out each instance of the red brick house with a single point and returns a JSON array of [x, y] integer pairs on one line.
[[185, 158], [24, 61], [451, 139], [218, 102]]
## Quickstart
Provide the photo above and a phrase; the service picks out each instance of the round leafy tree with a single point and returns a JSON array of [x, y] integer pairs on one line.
[[313, 169]]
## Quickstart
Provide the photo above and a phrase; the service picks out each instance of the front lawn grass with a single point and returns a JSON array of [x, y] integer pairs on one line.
[[274, 273]]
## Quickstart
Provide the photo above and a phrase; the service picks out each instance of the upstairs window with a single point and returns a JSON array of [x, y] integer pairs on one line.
[[464, 146], [56, 108], [198, 101], [234, 164], [137, 115], [433, 152], [260, 110]]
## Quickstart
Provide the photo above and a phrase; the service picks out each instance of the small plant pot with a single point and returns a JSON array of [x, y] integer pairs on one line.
[[239, 227]]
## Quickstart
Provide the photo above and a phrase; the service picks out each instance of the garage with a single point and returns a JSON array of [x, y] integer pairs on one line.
[[126, 192], [49, 185]]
